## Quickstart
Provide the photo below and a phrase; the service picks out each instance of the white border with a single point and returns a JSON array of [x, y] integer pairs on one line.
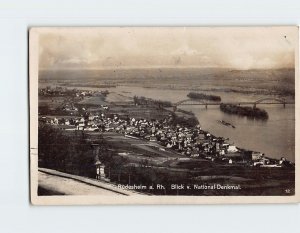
[[92, 200]]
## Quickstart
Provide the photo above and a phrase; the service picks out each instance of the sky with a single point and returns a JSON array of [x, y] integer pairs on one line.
[[171, 47]]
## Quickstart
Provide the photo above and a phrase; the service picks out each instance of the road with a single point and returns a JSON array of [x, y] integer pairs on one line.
[[58, 183]]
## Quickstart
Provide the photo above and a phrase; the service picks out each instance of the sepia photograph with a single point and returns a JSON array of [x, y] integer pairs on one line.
[[163, 115]]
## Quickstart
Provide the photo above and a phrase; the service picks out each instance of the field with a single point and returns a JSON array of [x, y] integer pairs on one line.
[[139, 112], [117, 97], [93, 100], [51, 102]]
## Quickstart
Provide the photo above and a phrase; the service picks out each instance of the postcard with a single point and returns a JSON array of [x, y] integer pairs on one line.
[[164, 115]]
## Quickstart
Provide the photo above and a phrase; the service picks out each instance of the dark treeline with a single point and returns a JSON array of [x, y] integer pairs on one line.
[[141, 100], [244, 111], [183, 121], [65, 153], [73, 153], [150, 175], [201, 96]]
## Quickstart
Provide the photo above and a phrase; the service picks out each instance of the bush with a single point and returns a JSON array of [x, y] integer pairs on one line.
[[244, 111], [141, 100], [65, 153], [186, 122]]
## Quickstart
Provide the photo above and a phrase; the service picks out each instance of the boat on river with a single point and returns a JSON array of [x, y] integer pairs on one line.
[[226, 123]]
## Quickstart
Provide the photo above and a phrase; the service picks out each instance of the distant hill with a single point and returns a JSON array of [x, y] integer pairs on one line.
[[166, 73], [279, 81]]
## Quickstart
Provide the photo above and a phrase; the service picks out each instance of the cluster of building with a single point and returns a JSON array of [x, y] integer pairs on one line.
[[61, 91], [189, 141]]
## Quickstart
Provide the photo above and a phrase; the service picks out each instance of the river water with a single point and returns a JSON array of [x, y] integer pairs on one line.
[[275, 137]]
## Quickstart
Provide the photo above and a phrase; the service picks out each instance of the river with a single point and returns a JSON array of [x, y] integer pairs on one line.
[[275, 137]]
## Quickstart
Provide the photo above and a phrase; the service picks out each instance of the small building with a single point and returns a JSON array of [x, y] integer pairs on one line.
[[152, 138], [256, 155], [100, 174], [232, 149]]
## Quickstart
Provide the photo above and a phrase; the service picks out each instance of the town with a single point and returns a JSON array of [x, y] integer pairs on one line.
[[189, 141]]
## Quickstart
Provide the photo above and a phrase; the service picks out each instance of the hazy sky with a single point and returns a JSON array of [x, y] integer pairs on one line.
[[105, 48]]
